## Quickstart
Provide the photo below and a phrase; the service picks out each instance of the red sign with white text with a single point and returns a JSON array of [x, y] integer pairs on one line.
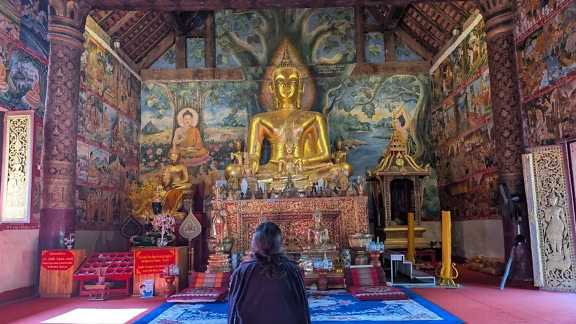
[[55, 260], [153, 261]]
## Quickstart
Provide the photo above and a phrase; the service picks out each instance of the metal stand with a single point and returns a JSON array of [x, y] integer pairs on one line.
[[519, 239]]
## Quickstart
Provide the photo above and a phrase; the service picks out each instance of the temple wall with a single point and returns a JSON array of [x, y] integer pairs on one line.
[[546, 55], [24, 50], [362, 109], [108, 144], [462, 125]]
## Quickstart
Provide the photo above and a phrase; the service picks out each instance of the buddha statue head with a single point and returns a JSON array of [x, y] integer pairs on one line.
[[286, 85], [338, 143], [174, 156], [238, 144]]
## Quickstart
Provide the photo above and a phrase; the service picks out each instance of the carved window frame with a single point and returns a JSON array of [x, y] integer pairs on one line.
[[19, 126]]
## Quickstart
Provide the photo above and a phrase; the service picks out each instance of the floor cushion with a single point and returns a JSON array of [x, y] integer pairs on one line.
[[199, 295], [376, 292], [209, 279]]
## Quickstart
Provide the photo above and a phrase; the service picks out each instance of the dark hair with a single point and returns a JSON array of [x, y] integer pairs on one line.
[[188, 113], [267, 248]]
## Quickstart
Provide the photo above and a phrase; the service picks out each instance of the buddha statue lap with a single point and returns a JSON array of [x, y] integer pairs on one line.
[[298, 138], [175, 182]]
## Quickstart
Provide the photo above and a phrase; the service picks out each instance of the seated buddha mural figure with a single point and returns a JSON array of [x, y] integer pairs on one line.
[[175, 184], [298, 137], [3, 83], [187, 138]]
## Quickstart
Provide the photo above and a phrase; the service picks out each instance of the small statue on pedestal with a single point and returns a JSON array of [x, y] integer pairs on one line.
[[318, 236]]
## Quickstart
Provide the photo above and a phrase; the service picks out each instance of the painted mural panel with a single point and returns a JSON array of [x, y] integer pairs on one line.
[[195, 52], [479, 103], [9, 53], [34, 26], [109, 121], [528, 13], [81, 204], [539, 121], [566, 103], [532, 63], [10, 18], [375, 51], [561, 43], [98, 163], [99, 69], [322, 36], [82, 162], [405, 53], [167, 60], [461, 106], [475, 53], [457, 62], [117, 169], [90, 116]]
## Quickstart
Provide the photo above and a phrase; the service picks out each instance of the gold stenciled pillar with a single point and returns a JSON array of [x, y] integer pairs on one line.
[[447, 269], [411, 253], [65, 30], [505, 96]]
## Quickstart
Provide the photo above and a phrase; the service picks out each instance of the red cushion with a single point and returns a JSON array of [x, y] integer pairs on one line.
[[209, 280], [376, 292], [350, 280], [199, 295], [364, 276]]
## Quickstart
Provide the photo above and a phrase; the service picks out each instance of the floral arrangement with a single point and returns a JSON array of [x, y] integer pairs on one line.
[[163, 223], [69, 240]]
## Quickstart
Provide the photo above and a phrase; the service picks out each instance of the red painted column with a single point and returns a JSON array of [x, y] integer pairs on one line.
[[507, 116], [66, 28]]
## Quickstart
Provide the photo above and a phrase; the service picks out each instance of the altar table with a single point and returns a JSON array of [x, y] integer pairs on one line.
[[342, 216]]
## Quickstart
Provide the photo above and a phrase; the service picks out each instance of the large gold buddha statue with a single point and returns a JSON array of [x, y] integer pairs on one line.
[[175, 182], [298, 138]]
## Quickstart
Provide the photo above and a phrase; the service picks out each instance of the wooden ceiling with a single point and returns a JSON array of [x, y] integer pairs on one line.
[[429, 23]]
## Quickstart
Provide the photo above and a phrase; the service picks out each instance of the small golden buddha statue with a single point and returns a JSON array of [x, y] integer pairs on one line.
[[241, 164], [295, 135], [340, 155], [176, 183], [318, 236]]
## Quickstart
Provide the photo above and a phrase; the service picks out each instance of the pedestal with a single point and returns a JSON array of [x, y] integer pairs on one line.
[[219, 262], [170, 289], [375, 259], [322, 280], [56, 272], [397, 237]]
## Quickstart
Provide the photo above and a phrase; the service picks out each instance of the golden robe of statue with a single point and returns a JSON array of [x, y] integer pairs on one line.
[[3, 84], [176, 183], [298, 138]]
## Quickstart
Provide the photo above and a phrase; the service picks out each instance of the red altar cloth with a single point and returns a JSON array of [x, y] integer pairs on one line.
[[341, 215]]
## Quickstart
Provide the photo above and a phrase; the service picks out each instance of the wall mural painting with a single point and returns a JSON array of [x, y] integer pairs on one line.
[[539, 121], [457, 63], [450, 121], [99, 69], [438, 126], [442, 82], [405, 53], [10, 17], [374, 49], [566, 103], [321, 36], [166, 61], [474, 54], [560, 34], [532, 63], [195, 52], [461, 109], [528, 13], [82, 162], [81, 204], [34, 26], [22, 79], [479, 103], [117, 169], [109, 123], [98, 166], [90, 116]]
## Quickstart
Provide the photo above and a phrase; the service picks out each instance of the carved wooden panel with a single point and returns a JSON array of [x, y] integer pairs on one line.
[[17, 164], [551, 222]]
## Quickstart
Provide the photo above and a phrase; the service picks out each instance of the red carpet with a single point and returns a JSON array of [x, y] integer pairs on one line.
[[479, 302]]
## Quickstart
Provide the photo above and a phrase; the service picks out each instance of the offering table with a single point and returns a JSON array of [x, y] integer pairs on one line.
[[342, 216]]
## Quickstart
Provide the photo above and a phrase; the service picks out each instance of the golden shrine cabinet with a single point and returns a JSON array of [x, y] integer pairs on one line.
[[149, 264]]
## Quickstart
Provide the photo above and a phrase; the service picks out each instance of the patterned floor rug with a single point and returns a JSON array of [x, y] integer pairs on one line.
[[325, 307]]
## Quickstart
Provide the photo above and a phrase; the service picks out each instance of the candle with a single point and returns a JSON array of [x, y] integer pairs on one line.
[[446, 245], [411, 249]]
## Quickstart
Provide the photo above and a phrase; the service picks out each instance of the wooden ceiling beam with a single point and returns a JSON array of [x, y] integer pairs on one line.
[[132, 39], [442, 14], [424, 30], [181, 5], [429, 47], [156, 41], [155, 53], [136, 24], [393, 17], [106, 16], [422, 51], [121, 22], [459, 10], [431, 21], [180, 22]]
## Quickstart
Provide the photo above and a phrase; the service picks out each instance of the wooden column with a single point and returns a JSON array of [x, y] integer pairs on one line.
[[390, 46], [65, 29], [181, 52], [507, 119], [359, 29], [210, 41]]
